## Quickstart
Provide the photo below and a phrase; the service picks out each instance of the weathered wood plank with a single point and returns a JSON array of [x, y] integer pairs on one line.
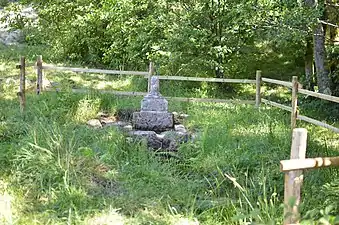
[[319, 95], [204, 79], [182, 99], [122, 93], [311, 163], [39, 75], [280, 106], [294, 102], [318, 123], [233, 101], [84, 70], [279, 82], [258, 89], [294, 179], [22, 90]]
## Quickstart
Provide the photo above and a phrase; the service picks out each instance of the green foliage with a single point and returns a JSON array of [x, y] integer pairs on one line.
[[3, 3], [200, 38]]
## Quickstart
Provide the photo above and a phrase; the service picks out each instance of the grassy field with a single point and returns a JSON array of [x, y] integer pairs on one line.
[[56, 170]]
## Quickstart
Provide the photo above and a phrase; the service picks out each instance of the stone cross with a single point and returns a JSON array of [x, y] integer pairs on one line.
[[154, 113]]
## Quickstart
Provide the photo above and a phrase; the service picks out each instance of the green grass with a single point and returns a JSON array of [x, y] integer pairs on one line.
[[56, 170]]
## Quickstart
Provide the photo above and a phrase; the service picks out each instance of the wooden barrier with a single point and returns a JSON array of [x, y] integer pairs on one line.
[[319, 95], [39, 75], [22, 90], [258, 89], [84, 70], [280, 106], [318, 123], [310, 163], [120, 93], [279, 82], [294, 179], [180, 99], [294, 102], [204, 79], [293, 173], [296, 88], [294, 85]]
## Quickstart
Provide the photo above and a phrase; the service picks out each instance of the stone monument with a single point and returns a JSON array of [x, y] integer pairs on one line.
[[154, 115]]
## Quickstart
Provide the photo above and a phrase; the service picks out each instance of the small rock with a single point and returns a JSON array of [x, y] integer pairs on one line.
[[128, 127], [183, 116], [180, 128], [95, 123], [110, 122], [160, 136], [176, 136]]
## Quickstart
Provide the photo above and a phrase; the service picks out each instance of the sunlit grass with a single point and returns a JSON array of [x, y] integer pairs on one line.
[[6, 209], [60, 171]]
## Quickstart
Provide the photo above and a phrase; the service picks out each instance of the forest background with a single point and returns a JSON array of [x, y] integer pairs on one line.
[[215, 38]]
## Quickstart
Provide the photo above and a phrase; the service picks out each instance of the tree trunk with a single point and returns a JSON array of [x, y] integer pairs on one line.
[[323, 80], [309, 69], [309, 65]]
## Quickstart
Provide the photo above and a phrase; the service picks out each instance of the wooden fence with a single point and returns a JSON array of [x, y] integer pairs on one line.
[[294, 176], [292, 168], [296, 89], [294, 86]]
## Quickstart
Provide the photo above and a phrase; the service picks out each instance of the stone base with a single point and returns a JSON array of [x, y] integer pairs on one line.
[[155, 121], [168, 140]]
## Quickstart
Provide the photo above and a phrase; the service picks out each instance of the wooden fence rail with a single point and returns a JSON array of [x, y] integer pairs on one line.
[[279, 82], [180, 99], [294, 85], [294, 179], [296, 88], [84, 70], [203, 79], [22, 89], [278, 105], [293, 169], [319, 95]]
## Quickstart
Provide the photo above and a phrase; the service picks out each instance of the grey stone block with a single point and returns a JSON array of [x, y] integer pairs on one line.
[[150, 103], [155, 121]]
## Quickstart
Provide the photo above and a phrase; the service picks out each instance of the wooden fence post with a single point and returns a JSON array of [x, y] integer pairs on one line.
[[294, 112], [22, 95], [294, 179], [150, 74], [258, 89], [39, 75]]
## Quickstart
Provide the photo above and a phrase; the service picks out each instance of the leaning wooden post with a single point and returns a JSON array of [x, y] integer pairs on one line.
[[39, 75], [258, 87], [21, 94], [294, 179], [150, 74], [294, 112]]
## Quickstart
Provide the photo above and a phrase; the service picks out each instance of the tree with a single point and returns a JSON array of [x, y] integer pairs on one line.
[[192, 37], [309, 71]]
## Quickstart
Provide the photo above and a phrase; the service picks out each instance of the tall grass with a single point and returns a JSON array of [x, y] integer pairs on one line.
[[56, 170]]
